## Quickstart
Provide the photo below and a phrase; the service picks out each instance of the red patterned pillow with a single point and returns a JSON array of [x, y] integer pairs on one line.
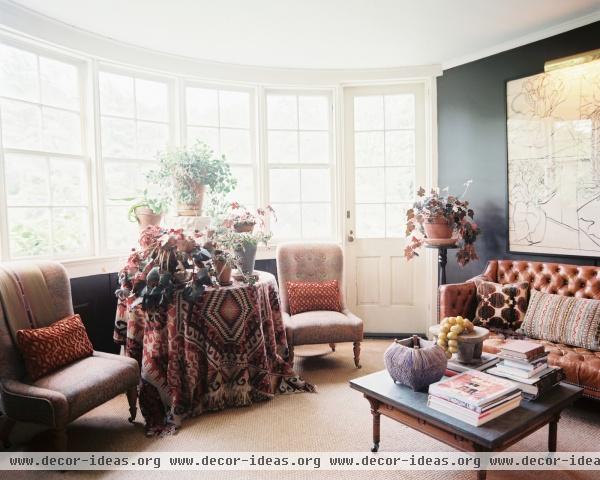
[[47, 349], [311, 296]]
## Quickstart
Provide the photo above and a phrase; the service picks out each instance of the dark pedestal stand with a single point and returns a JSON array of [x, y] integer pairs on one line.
[[442, 260]]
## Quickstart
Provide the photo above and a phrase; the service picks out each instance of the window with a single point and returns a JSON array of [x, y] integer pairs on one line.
[[384, 158], [45, 164], [135, 125], [224, 119], [300, 164]]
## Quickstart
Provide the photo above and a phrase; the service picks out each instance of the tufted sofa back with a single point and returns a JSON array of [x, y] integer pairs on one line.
[[555, 278]]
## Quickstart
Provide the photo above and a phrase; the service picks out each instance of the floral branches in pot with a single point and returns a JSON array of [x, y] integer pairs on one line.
[[441, 219]]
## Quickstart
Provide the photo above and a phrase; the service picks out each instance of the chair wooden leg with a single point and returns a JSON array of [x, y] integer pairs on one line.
[[132, 395], [7, 426], [60, 439], [357, 354], [332, 345]]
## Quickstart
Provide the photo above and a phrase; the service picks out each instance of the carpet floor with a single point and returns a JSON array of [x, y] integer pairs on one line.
[[336, 418]]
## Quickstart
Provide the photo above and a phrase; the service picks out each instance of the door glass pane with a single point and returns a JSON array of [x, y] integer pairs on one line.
[[368, 113], [400, 147], [370, 185], [370, 220], [399, 111], [369, 149], [399, 184], [395, 220]]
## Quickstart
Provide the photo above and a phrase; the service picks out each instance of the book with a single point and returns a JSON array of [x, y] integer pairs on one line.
[[486, 406], [468, 416], [521, 373], [522, 349], [544, 384], [522, 361], [486, 361], [473, 388], [525, 366], [530, 381]]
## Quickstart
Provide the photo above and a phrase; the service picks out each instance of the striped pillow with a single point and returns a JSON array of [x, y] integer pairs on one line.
[[569, 320]]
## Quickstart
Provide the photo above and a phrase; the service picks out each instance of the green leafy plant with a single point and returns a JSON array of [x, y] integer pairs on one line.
[[158, 203], [182, 169]]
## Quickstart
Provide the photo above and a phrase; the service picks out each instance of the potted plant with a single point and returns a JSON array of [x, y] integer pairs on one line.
[[147, 209], [442, 219], [188, 171], [223, 263]]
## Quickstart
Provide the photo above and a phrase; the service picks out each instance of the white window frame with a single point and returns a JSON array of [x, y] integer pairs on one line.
[[85, 157], [173, 124]]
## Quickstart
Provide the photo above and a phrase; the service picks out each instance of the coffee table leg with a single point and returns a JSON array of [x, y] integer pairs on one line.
[[552, 433], [376, 423], [481, 474]]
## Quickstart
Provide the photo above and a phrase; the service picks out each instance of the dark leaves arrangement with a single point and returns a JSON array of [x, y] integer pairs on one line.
[[167, 261], [456, 211]]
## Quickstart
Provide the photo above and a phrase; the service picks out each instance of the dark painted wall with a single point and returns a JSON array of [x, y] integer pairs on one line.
[[94, 300], [472, 136]]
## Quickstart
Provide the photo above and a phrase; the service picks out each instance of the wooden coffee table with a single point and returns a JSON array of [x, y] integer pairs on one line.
[[410, 408]]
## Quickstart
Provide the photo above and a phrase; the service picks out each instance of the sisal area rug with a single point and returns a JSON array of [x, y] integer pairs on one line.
[[334, 419]]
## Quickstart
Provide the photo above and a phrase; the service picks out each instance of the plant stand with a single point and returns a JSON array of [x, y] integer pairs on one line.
[[442, 260]]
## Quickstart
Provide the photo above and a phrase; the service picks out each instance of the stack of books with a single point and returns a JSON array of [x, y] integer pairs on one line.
[[486, 361], [525, 364], [474, 397]]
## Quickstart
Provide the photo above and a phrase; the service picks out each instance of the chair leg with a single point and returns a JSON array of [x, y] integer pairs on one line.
[[60, 439], [132, 395], [5, 430], [291, 354], [357, 354], [332, 345]]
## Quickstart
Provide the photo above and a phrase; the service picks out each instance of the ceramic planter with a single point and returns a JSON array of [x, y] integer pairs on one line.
[[243, 227], [193, 209], [246, 256], [437, 227], [147, 217]]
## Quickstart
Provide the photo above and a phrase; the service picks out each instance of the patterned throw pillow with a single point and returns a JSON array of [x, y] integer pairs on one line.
[[47, 349], [569, 320], [311, 296], [501, 307]]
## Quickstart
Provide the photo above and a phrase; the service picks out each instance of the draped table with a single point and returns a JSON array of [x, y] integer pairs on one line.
[[227, 349]]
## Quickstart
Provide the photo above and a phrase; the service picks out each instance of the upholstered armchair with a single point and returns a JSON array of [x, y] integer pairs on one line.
[[34, 295], [304, 262]]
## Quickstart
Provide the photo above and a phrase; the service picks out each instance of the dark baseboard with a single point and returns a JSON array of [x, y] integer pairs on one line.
[[393, 335]]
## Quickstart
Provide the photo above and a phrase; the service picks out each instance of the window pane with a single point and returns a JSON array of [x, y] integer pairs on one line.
[[235, 145], [118, 137], [151, 138], [283, 147], [123, 180], [21, 125], [60, 84], [70, 231], [316, 185], [18, 74], [116, 95], [370, 186], [121, 234], [313, 112], [210, 136], [399, 184], [288, 221], [151, 98], [368, 149], [368, 113], [284, 185], [370, 221], [62, 131], [399, 111], [400, 148], [395, 220], [314, 147], [282, 112], [202, 106], [244, 192], [29, 231], [316, 221], [26, 180], [68, 182], [234, 109]]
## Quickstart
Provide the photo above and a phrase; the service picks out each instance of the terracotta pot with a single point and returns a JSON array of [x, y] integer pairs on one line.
[[147, 217], [223, 271], [437, 227], [193, 209], [243, 227]]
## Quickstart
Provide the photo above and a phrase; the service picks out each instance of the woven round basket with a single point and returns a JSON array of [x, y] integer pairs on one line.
[[415, 362]]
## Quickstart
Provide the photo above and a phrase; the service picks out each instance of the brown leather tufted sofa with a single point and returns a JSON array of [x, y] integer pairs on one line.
[[581, 366]]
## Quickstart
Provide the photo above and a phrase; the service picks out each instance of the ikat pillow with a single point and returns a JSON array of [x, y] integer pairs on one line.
[[501, 307]]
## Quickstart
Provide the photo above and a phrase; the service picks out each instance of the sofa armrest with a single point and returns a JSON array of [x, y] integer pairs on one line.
[[457, 299], [29, 403]]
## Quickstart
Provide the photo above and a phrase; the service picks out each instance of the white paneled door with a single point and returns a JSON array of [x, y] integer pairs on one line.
[[385, 163]]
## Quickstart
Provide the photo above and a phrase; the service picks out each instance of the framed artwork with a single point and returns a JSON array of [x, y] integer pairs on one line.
[[553, 133]]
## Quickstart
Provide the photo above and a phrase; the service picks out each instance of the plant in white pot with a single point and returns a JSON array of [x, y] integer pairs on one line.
[[188, 171]]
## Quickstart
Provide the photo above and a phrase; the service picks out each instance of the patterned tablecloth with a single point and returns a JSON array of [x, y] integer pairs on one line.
[[228, 349]]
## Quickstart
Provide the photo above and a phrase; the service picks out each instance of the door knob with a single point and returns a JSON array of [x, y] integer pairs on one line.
[[351, 236]]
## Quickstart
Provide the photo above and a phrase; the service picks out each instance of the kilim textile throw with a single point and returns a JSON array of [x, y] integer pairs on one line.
[[227, 349]]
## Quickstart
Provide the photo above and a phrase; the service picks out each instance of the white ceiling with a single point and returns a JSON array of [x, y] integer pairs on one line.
[[318, 34]]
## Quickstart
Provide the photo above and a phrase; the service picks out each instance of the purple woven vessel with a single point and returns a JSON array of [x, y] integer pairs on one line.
[[415, 367]]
